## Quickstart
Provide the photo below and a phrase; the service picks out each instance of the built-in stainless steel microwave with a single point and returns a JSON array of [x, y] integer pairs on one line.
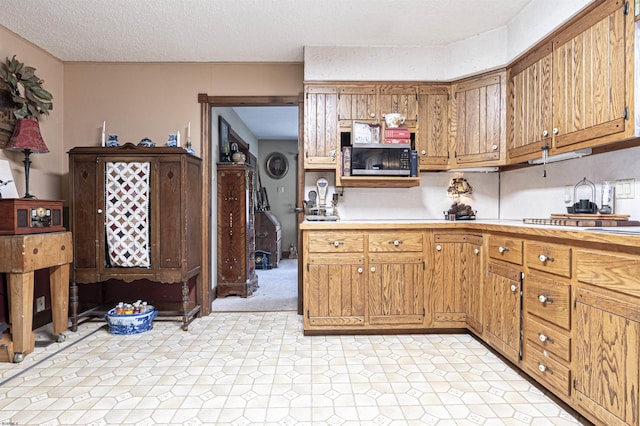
[[381, 159]]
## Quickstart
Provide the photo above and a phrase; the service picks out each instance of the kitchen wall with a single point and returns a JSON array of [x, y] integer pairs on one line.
[[47, 169]]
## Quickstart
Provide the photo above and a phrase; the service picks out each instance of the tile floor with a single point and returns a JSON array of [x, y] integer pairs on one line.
[[259, 369]]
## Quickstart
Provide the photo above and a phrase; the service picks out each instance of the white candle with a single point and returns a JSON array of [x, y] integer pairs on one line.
[[103, 140], [178, 138], [189, 131]]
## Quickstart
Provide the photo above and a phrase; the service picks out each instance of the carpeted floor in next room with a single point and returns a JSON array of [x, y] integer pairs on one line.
[[277, 291]]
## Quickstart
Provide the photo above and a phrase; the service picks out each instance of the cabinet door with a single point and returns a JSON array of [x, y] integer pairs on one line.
[[86, 214], [589, 76], [478, 119], [432, 140], [320, 126], [502, 309], [607, 342], [473, 277], [396, 291], [529, 125], [447, 284], [357, 102], [400, 99], [335, 290]]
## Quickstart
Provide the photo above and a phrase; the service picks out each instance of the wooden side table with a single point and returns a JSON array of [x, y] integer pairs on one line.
[[20, 256]]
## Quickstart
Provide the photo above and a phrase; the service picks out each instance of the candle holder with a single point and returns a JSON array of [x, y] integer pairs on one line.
[[188, 147]]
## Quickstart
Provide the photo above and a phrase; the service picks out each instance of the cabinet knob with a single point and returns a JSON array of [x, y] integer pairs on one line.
[[99, 211], [542, 368], [494, 147], [336, 243], [544, 258], [423, 152], [545, 133], [545, 338], [555, 130], [360, 270], [476, 251], [373, 269], [503, 249], [332, 154], [544, 299], [438, 247], [514, 287], [372, 115], [397, 243]]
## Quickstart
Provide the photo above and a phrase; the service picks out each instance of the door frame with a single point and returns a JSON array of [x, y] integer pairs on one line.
[[209, 157]]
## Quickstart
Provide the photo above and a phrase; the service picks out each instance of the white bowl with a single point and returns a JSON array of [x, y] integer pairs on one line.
[[394, 120]]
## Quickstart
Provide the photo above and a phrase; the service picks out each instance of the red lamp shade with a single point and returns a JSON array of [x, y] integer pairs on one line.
[[27, 138], [26, 135]]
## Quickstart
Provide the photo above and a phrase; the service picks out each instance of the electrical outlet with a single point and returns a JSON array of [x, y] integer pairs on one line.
[[40, 304], [625, 189]]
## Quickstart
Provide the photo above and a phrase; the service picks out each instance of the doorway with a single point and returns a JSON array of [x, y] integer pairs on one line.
[[280, 187]]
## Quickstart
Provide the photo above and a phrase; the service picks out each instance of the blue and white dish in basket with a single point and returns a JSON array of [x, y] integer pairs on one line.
[[130, 323], [146, 142]]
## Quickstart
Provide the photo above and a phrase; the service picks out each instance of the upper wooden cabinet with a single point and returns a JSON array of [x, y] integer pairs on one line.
[[575, 90], [321, 139], [529, 122], [432, 138], [358, 102], [400, 99], [478, 117]]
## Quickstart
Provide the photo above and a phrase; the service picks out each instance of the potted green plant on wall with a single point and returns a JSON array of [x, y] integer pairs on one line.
[[30, 101]]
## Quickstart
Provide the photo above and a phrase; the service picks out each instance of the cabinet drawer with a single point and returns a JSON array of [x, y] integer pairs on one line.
[[550, 339], [548, 299], [612, 271], [334, 242], [547, 371], [505, 248], [552, 258], [395, 241]]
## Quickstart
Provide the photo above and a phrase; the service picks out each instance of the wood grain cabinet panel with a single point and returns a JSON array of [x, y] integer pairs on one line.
[[551, 373], [432, 139], [502, 289], [455, 281], [529, 120], [549, 299], [479, 120], [590, 61], [321, 141], [552, 258], [506, 248], [550, 338]]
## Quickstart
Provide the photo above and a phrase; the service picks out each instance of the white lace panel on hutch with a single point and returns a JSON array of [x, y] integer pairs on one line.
[[127, 213]]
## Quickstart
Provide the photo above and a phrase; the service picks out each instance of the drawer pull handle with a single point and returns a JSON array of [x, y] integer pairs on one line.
[[503, 249], [373, 269], [545, 338], [395, 243], [476, 251], [360, 270], [543, 368], [514, 287], [336, 243], [544, 258], [438, 247], [99, 211], [544, 299], [545, 133]]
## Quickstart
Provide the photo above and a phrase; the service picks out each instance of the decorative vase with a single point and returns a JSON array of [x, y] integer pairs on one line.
[[113, 140]]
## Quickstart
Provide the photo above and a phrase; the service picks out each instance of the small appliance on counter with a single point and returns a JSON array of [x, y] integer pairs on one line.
[[585, 192], [316, 208]]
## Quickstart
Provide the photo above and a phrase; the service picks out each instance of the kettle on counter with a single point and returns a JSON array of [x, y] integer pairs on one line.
[[584, 205]]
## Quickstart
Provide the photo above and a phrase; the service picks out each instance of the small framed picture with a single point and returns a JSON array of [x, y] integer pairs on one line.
[[223, 139], [276, 165]]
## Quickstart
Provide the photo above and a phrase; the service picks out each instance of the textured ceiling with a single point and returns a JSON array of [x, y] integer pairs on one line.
[[242, 30]]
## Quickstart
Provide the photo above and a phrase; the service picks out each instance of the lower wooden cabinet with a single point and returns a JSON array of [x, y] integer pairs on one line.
[[455, 281], [503, 309], [607, 336]]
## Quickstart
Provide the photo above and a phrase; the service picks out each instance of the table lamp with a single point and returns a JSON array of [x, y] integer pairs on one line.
[[27, 138]]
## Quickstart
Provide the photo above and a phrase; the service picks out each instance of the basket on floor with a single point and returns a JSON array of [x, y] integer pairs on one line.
[[130, 323]]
